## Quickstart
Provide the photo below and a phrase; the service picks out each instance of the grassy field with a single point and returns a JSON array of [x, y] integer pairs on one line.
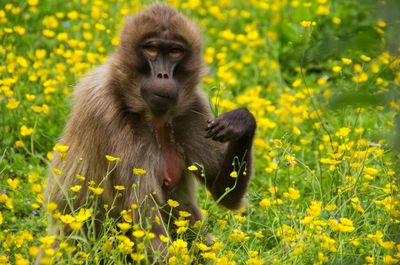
[[322, 78]]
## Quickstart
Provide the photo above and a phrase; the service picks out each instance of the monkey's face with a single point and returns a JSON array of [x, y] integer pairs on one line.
[[160, 85], [158, 63]]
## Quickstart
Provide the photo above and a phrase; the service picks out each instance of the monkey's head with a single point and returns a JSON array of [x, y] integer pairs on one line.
[[159, 60]]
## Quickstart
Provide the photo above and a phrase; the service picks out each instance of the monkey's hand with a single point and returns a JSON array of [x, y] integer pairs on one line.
[[231, 126]]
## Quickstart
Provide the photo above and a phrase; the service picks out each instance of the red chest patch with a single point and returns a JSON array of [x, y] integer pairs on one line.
[[172, 163]]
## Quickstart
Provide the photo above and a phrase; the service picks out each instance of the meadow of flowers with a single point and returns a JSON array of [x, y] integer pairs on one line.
[[322, 78]]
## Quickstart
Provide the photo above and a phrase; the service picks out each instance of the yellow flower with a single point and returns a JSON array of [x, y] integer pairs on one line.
[[273, 189], [345, 225], [40, 54], [51, 206], [57, 171], [124, 226], [1, 218], [192, 168], [337, 69], [238, 236], [87, 36], [314, 209], [336, 20], [362, 77], [33, 2], [34, 251], [164, 238], [307, 24], [97, 191], [50, 22], [365, 58], [37, 109], [255, 261], [137, 256], [202, 247], [75, 225], [22, 62], [61, 148], [73, 15], [48, 33], [173, 203], [107, 246], [32, 177], [258, 234], [62, 36], [234, 174], [19, 144], [112, 158], [330, 207], [387, 259], [100, 27], [13, 183], [181, 223], [178, 247], [12, 103], [115, 41], [80, 177], [119, 187], [184, 214], [292, 194], [47, 240], [125, 244], [277, 143], [138, 233], [127, 216], [346, 60], [371, 171], [67, 219], [76, 188], [381, 23], [265, 203], [139, 171], [25, 131], [323, 10], [343, 132], [296, 83], [240, 218], [36, 188], [20, 260]]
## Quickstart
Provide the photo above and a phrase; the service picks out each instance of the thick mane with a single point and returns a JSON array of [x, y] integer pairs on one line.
[[163, 12]]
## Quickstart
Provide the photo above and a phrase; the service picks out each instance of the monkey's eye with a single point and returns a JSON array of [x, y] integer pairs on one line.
[[151, 50], [175, 53]]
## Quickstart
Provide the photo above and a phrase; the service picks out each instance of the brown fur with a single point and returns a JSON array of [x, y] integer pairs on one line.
[[109, 117]]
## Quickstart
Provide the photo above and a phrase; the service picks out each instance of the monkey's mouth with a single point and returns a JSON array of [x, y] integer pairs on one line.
[[159, 102], [163, 96]]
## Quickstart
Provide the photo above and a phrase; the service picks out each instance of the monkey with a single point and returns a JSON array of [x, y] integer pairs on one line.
[[144, 106]]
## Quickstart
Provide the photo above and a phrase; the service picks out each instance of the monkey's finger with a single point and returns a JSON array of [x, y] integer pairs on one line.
[[213, 131], [226, 135], [222, 135], [220, 138], [211, 124]]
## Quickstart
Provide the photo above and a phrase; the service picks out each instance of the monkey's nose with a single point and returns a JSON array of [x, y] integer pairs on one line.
[[162, 76]]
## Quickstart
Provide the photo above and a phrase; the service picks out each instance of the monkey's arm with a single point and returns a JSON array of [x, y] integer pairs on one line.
[[236, 127]]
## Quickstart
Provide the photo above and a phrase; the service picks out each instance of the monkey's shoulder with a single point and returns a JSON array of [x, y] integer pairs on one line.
[[93, 83]]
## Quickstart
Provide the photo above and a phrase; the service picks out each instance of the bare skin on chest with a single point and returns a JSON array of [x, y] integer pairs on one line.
[[171, 162]]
